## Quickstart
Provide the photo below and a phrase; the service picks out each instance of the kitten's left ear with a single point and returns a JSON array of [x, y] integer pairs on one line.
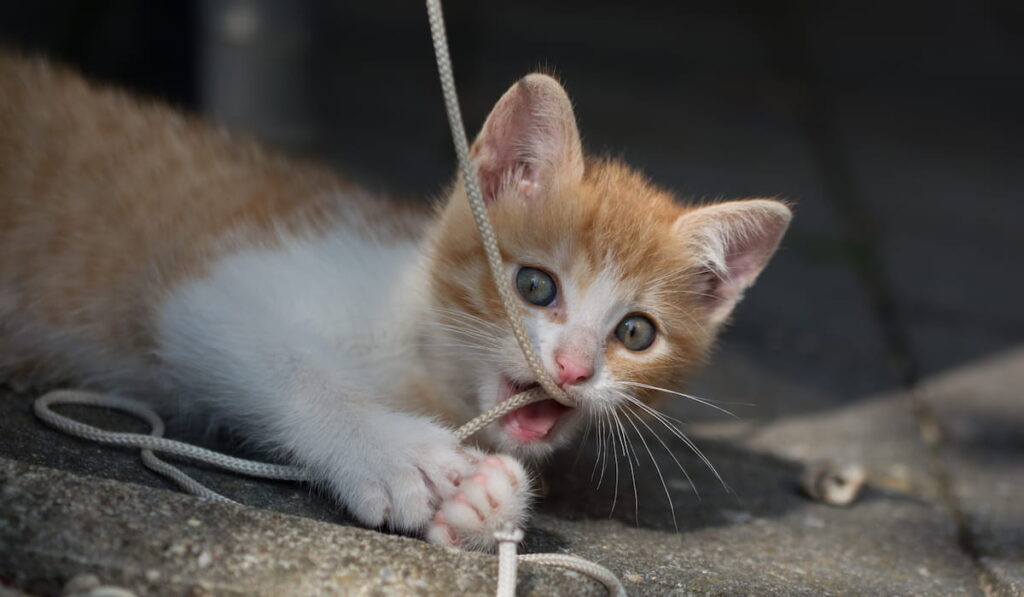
[[529, 141], [732, 241]]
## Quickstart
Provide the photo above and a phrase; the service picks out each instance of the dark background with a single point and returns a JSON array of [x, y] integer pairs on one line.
[[894, 127]]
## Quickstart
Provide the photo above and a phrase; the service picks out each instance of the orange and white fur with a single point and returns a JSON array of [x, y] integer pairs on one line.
[[148, 254]]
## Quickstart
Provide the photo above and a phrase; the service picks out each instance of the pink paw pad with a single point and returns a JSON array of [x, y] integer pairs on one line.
[[493, 495]]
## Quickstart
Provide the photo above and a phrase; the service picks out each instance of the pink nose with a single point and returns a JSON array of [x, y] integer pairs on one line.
[[571, 371]]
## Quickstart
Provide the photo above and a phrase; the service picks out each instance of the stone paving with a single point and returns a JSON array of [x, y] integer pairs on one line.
[[887, 331]]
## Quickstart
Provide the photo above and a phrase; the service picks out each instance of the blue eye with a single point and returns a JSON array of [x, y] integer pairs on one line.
[[636, 332], [536, 286]]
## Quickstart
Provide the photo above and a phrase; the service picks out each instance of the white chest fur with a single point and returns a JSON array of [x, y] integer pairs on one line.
[[341, 299]]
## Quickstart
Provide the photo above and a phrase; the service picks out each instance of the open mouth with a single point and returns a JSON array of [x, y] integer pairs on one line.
[[533, 422]]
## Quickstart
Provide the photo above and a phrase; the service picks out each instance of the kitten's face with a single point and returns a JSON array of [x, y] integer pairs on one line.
[[622, 290]]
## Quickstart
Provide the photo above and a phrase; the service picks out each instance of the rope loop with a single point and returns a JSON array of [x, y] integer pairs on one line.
[[507, 537]]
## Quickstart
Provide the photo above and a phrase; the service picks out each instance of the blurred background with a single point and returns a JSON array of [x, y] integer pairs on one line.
[[888, 330], [894, 127]]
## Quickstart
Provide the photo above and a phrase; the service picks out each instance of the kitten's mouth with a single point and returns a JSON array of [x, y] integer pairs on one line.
[[533, 422]]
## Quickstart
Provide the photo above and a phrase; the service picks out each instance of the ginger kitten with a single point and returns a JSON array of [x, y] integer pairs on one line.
[[145, 253]]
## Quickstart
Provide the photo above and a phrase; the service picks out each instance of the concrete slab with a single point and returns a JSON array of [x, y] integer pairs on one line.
[[881, 433], [764, 536], [875, 549], [981, 410], [54, 525], [28, 440]]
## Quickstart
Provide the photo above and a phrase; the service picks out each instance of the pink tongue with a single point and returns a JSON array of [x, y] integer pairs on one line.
[[538, 418]]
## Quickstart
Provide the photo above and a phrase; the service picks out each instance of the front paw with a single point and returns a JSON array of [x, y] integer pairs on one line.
[[496, 493], [405, 481]]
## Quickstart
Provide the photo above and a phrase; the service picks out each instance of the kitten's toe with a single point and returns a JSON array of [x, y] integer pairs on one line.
[[370, 506], [413, 499], [403, 494], [419, 490], [439, 533], [497, 493]]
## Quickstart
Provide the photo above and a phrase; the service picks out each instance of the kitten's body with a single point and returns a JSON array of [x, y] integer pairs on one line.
[[110, 203], [145, 253]]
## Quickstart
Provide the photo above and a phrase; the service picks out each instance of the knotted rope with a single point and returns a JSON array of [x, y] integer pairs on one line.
[[507, 538]]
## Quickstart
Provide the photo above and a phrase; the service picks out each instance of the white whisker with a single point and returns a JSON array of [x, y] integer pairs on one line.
[[682, 437], [582, 443], [463, 317], [602, 452], [629, 461], [680, 394], [467, 333], [665, 420], [662, 418], [450, 344], [615, 454], [668, 495]]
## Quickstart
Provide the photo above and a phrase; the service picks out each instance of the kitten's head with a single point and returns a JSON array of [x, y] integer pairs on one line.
[[622, 288]]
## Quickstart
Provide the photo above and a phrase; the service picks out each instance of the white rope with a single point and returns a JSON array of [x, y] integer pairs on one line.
[[595, 571], [507, 538], [154, 442], [508, 562], [476, 205]]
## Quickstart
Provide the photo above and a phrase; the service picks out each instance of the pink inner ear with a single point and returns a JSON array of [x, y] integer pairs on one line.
[[742, 270], [507, 151], [738, 238], [529, 138], [506, 170], [746, 265]]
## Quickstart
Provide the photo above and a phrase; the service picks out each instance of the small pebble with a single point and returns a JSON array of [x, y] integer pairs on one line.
[[80, 583], [88, 585], [834, 483], [108, 592]]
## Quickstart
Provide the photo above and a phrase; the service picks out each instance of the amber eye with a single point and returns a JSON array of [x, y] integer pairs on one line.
[[536, 286], [636, 332]]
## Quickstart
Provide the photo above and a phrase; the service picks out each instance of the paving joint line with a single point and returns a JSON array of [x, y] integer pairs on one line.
[[789, 55]]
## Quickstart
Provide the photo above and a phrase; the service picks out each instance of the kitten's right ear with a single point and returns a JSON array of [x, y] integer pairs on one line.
[[733, 241], [529, 141]]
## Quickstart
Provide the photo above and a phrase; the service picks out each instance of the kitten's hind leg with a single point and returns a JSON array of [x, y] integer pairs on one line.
[[498, 492]]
